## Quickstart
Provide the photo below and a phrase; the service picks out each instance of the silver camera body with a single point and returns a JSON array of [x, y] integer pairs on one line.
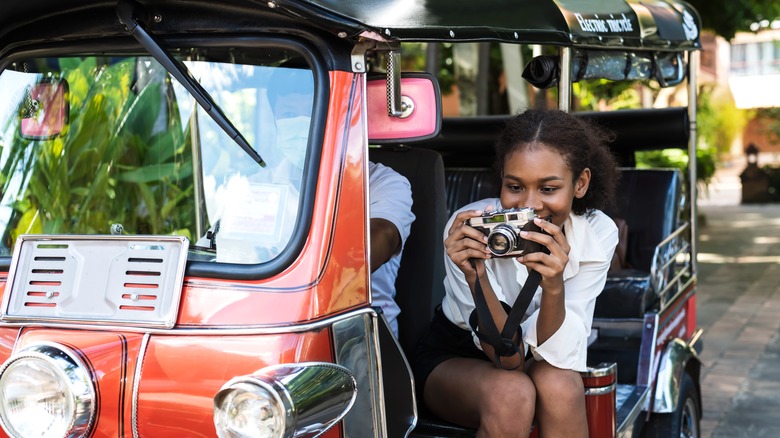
[[503, 227]]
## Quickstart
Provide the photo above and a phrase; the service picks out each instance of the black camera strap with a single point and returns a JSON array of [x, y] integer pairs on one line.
[[503, 343]]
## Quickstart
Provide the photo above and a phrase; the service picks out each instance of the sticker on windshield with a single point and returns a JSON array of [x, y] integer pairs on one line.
[[254, 212]]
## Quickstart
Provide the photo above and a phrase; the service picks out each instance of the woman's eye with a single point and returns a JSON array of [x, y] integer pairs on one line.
[[514, 188], [548, 189]]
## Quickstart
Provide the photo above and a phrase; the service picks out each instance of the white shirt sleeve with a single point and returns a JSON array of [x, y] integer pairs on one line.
[[595, 239], [390, 198]]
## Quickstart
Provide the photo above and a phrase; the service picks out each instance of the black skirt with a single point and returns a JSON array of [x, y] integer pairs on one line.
[[444, 341]]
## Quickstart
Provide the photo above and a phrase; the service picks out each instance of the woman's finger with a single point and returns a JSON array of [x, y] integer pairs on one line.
[[461, 218], [553, 231], [458, 242]]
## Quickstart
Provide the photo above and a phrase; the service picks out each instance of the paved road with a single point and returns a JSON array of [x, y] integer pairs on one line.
[[739, 308]]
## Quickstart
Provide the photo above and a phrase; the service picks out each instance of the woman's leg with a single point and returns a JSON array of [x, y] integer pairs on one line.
[[474, 393], [560, 401]]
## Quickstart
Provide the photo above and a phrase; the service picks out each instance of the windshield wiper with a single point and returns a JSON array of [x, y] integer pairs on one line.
[[128, 12]]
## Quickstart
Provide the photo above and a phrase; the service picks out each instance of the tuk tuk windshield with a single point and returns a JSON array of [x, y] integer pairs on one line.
[[113, 144]]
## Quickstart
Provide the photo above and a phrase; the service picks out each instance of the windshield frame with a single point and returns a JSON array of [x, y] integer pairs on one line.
[[320, 73]]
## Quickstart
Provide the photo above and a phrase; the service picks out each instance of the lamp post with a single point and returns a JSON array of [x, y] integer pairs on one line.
[[755, 182]]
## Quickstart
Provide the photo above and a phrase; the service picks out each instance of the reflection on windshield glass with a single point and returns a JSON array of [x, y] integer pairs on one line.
[[138, 151]]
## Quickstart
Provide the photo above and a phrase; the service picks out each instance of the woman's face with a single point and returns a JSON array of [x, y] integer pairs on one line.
[[539, 178]]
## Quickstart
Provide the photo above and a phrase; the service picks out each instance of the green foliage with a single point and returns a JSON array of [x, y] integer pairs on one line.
[[706, 159], [125, 159], [719, 120], [727, 17], [594, 95]]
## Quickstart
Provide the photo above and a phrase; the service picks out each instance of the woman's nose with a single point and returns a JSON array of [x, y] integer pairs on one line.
[[534, 202]]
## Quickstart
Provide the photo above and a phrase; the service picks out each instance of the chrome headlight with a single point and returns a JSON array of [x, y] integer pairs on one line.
[[296, 400], [46, 391]]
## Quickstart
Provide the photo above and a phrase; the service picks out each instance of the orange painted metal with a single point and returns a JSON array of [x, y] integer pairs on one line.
[[180, 374], [331, 273], [111, 359]]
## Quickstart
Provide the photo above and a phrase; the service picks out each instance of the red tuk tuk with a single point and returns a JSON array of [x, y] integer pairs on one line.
[[170, 267]]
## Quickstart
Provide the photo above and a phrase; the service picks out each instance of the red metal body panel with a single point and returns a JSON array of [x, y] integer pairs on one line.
[[326, 278], [600, 407], [675, 322], [602, 416], [111, 358], [179, 374]]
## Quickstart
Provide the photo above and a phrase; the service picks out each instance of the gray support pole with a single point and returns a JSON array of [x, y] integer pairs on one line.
[[693, 71], [564, 85]]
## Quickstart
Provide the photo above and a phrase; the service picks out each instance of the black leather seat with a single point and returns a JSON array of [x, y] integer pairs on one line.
[[420, 282], [649, 201], [466, 185]]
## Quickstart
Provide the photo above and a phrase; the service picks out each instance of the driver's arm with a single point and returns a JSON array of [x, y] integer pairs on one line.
[[385, 241]]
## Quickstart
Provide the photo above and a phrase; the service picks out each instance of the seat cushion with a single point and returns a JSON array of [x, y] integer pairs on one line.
[[627, 294]]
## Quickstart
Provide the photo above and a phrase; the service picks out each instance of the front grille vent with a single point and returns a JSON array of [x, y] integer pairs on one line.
[[133, 280]]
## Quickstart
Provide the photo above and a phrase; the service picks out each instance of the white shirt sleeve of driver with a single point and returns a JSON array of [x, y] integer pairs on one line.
[[390, 197]]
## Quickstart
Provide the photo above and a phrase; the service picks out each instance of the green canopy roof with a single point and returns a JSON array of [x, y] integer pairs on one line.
[[652, 24], [628, 24]]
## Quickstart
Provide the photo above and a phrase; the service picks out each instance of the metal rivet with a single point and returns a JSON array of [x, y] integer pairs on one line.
[[359, 66], [649, 326], [387, 31], [342, 34], [134, 297], [157, 18], [516, 35], [50, 294], [452, 34], [272, 5]]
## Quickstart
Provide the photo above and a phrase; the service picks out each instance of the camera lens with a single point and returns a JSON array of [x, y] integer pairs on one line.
[[501, 240]]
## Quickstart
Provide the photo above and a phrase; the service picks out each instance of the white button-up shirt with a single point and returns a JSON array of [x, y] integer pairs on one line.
[[592, 238]]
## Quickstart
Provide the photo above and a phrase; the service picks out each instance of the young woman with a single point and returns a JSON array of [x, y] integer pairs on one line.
[[560, 166]]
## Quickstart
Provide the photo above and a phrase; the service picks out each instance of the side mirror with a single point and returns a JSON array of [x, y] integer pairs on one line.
[[420, 114], [44, 110]]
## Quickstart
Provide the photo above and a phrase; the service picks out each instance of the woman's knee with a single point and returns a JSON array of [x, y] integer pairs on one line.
[[508, 394], [558, 384]]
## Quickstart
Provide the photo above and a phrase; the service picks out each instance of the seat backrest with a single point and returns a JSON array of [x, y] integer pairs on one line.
[[649, 200], [466, 185], [420, 282]]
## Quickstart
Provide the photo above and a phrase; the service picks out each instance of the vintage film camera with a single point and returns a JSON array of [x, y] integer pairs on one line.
[[502, 227]]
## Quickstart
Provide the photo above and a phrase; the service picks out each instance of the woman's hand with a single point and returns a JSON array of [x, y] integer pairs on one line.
[[464, 243], [551, 265]]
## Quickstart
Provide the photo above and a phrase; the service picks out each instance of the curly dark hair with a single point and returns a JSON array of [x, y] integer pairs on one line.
[[582, 144]]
